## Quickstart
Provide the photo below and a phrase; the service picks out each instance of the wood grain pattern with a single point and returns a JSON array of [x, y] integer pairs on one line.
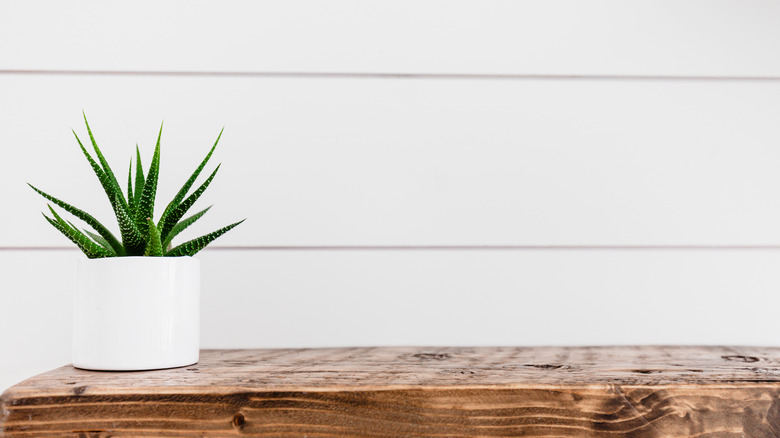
[[558, 391]]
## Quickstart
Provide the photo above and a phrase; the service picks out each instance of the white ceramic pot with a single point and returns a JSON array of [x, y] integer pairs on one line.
[[136, 313]]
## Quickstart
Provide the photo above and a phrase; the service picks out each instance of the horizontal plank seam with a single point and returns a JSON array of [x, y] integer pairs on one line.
[[453, 248], [373, 75]]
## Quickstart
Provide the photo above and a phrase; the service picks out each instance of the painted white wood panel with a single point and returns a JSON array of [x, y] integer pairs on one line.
[[562, 37], [347, 298], [35, 312], [415, 162]]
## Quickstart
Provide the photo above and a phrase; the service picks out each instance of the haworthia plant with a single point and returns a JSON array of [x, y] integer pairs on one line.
[[139, 235]]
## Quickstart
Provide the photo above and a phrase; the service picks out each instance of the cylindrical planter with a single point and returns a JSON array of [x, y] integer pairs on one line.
[[136, 313]]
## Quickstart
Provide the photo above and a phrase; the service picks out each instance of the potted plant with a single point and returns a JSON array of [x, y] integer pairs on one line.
[[137, 296]]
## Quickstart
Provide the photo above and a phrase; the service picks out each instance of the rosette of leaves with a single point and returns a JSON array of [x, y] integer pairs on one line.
[[139, 234]]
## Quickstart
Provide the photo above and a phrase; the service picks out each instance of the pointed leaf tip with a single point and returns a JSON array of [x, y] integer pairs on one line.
[[191, 247], [86, 217]]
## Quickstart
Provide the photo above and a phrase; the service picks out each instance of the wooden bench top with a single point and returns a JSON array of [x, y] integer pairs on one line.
[[380, 392]]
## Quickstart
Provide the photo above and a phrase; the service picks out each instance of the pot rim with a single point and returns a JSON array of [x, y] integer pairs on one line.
[[118, 259]]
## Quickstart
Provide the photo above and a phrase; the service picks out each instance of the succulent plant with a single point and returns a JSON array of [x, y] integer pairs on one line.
[[139, 234]]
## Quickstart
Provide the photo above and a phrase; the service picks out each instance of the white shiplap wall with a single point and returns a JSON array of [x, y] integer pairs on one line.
[[458, 172]]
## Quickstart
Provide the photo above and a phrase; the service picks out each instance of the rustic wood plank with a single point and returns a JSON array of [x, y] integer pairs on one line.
[[544, 391]]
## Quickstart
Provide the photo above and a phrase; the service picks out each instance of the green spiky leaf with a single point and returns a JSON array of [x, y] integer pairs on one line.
[[192, 247], [153, 246], [132, 238], [182, 225], [105, 181], [145, 207], [167, 220], [86, 217], [88, 247], [130, 198], [104, 164], [92, 236], [185, 205], [139, 178], [67, 233], [98, 239]]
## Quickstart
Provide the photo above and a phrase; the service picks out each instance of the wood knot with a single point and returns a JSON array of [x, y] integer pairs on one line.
[[238, 420], [79, 390], [646, 371], [431, 356], [545, 366], [739, 358]]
